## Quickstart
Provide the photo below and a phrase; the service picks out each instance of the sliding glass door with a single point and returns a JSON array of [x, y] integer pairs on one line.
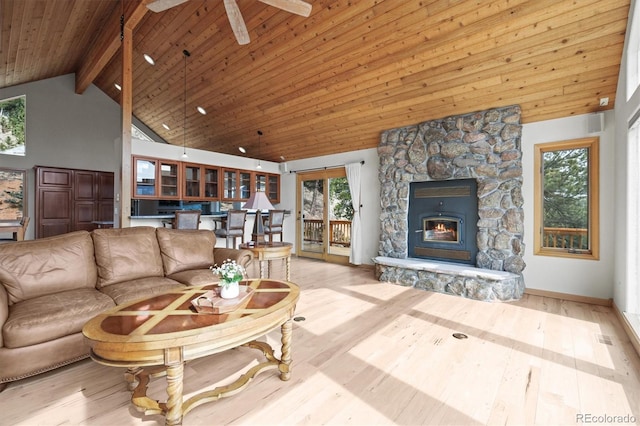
[[324, 215]]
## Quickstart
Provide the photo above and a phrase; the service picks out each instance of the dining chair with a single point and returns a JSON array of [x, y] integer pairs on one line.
[[186, 219], [234, 227], [273, 225]]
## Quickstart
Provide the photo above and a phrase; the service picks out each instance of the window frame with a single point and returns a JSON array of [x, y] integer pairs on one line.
[[18, 175], [592, 144], [23, 151]]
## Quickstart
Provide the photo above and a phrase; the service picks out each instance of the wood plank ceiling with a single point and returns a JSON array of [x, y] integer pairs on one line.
[[331, 82]]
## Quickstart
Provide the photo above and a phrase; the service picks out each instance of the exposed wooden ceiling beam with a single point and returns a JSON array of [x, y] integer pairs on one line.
[[108, 42]]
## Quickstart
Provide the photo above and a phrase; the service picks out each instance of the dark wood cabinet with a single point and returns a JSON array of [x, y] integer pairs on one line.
[[71, 200]]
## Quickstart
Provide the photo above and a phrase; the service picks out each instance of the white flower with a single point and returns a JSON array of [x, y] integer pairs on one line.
[[229, 272]]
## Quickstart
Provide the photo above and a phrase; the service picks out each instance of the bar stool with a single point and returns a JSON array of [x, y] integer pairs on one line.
[[273, 225], [234, 227]]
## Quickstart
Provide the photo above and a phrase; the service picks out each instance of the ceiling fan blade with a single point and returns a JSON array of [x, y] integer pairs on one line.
[[236, 21], [298, 7], [162, 5]]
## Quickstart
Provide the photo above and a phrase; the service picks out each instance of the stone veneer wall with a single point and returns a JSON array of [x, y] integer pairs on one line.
[[483, 145]]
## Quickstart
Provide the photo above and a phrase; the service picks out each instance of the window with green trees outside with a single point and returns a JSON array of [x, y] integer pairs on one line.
[[566, 197]]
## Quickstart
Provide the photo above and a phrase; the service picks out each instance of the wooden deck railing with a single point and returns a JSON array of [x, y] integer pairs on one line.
[[339, 231], [569, 238]]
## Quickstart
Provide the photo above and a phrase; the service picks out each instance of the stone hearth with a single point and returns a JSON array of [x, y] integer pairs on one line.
[[483, 145]]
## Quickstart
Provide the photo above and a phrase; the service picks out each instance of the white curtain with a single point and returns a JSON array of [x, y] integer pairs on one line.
[[353, 178]]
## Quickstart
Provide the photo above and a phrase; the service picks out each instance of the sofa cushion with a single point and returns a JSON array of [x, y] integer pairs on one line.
[[184, 249], [137, 289], [195, 277], [52, 316], [30, 269], [125, 254]]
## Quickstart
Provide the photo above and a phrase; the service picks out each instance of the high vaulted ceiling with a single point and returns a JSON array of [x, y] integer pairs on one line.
[[331, 82]]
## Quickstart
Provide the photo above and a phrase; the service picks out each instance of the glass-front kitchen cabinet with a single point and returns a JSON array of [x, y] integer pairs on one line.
[[270, 184], [211, 187], [169, 180], [240, 184], [237, 185], [200, 182], [160, 179], [156, 178]]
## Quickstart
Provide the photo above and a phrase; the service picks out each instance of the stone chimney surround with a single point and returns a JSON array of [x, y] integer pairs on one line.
[[484, 145]]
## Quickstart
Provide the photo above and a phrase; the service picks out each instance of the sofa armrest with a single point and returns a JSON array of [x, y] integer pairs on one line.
[[4, 310], [242, 257]]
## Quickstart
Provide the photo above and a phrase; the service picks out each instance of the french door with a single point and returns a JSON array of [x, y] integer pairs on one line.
[[323, 222]]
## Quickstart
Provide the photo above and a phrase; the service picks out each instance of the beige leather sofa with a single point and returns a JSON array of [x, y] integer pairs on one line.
[[51, 287]]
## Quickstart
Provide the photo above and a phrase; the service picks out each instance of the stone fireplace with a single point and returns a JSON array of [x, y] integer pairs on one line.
[[483, 147]]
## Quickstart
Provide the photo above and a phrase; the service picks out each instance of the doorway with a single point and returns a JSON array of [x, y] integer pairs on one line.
[[324, 215]]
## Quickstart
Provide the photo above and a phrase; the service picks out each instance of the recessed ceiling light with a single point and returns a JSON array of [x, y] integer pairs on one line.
[[118, 86], [242, 150], [149, 59], [165, 126], [202, 110]]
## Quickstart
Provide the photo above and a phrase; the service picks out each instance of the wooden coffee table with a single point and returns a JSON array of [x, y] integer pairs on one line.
[[268, 251], [164, 331]]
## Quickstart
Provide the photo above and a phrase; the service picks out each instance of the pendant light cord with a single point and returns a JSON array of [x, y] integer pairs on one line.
[[259, 166], [184, 123]]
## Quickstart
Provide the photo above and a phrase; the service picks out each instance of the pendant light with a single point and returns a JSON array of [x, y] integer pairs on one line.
[[184, 155], [259, 166]]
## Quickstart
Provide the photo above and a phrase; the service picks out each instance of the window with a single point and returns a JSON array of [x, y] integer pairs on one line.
[[139, 134], [12, 125], [632, 310], [13, 184], [566, 199]]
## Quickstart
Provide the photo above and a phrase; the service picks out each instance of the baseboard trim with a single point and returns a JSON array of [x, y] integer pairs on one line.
[[570, 297], [633, 336], [626, 326]]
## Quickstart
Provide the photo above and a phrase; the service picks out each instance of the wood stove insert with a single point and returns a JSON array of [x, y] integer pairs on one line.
[[443, 220]]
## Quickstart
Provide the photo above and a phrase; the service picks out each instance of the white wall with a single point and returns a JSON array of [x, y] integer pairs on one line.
[[593, 278], [173, 152], [64, 130], [627, 272]]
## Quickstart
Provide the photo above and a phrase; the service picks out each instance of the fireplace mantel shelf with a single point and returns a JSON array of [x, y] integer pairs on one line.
[[445, 268]]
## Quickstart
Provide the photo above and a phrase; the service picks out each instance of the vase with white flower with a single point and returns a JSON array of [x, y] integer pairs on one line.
[[230, 274]]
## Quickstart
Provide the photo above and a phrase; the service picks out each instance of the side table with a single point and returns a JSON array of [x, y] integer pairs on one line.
[[268, 251]]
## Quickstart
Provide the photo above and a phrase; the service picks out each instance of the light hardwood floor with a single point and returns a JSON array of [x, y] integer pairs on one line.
[[375, 353]]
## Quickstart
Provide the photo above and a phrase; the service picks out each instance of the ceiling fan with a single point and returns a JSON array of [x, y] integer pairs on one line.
[[238, 26]]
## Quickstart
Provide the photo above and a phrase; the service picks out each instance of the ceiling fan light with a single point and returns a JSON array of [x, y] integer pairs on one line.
[[149, 59], [202, 110]]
